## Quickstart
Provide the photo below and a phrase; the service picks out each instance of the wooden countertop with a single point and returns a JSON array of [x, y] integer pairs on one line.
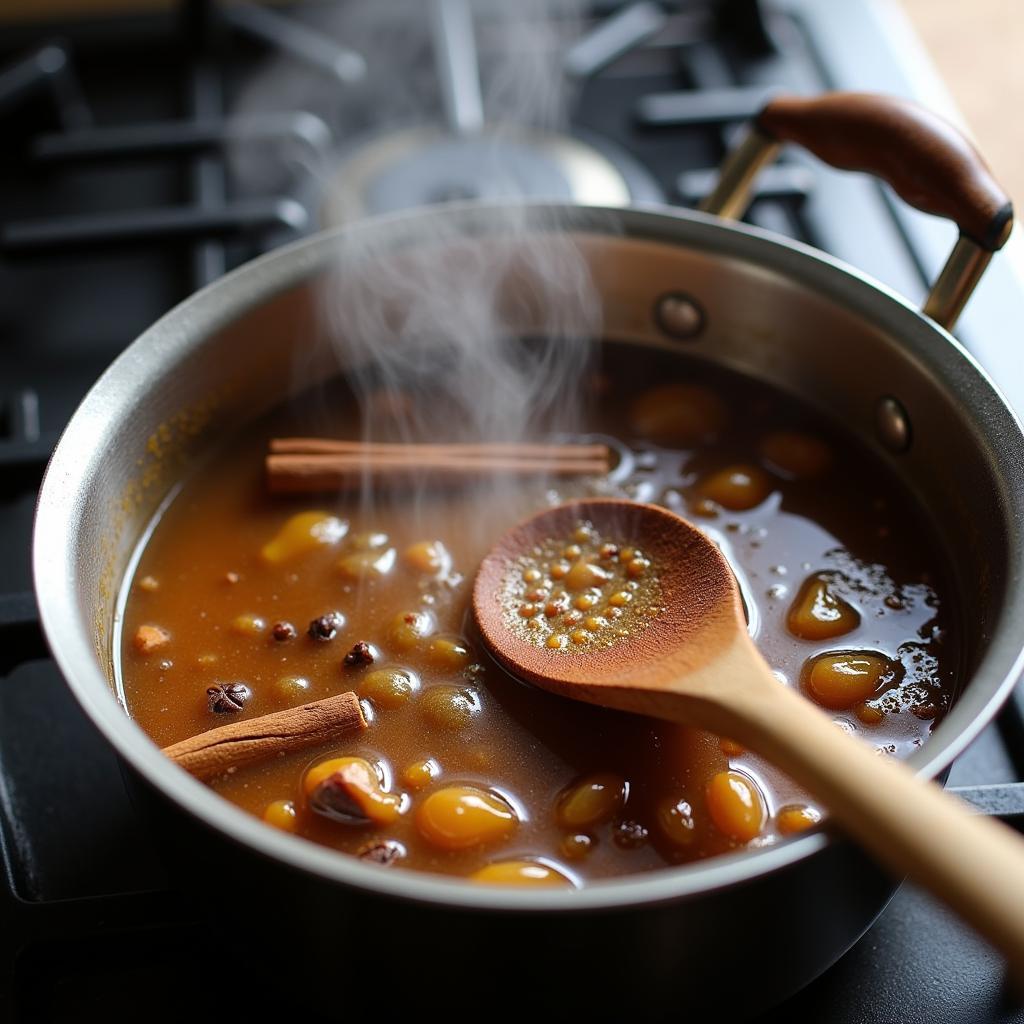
[[976, 46]]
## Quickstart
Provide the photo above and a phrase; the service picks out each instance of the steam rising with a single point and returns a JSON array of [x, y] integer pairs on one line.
[[520, 47], [430, 333], [426, 316]]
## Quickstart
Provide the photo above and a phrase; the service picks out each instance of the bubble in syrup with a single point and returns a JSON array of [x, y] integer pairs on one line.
[[640, 490]]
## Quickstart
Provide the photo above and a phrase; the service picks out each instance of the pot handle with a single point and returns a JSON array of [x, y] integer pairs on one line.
[[928, 162]]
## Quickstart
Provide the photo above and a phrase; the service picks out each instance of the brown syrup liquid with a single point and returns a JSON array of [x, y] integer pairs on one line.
[[856, 523]]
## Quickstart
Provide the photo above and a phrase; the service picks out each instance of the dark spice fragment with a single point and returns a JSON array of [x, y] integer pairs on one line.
[[282, 631], [332, 799], [383, 851], [361, 654], [926, 710], [227, 698], [326, 626]]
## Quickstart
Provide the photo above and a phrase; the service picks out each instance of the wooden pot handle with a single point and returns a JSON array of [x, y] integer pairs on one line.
[[929, 162], [924, 158]]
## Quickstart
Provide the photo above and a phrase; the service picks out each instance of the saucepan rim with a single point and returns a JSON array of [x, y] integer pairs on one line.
[[61, 506]]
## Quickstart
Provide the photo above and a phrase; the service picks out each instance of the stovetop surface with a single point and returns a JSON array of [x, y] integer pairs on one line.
[[105, 225]]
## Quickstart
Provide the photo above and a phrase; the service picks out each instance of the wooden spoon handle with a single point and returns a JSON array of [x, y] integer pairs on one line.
[[972, 863]]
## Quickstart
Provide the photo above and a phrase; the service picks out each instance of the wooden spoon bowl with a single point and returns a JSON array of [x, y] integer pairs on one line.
[[703, 616], [695, 663]]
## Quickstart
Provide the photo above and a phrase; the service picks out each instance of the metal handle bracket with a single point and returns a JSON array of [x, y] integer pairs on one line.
[[927, 161]]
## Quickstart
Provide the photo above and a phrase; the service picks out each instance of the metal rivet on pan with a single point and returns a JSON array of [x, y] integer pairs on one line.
[[678, 315], [892, 424]]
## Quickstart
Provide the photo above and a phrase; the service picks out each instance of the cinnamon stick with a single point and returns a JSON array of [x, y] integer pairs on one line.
[[257, 739], [306, 465], [481, 449]]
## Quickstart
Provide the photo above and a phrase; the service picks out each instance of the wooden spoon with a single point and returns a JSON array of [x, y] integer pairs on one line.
[[695, 663]]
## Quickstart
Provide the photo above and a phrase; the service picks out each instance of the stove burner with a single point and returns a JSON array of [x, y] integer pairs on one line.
[[420, 166]]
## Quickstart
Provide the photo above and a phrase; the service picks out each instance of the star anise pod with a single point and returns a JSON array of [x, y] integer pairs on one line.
[[227, 698]]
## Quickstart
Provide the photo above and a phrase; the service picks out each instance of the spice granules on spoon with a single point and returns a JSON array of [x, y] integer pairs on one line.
[[580, 590]]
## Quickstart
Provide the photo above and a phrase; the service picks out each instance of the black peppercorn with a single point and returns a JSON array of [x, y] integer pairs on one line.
[[227, 698], [326, 626], [361, 654], [282, 631]]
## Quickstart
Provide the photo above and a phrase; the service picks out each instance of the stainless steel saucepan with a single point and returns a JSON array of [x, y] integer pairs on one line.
[[728, 935]]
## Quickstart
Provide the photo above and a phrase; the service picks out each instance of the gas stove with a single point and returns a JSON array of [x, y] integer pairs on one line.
[[126, 185]]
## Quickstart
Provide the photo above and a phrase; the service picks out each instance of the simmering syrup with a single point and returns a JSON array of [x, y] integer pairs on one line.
[[463, 769]]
